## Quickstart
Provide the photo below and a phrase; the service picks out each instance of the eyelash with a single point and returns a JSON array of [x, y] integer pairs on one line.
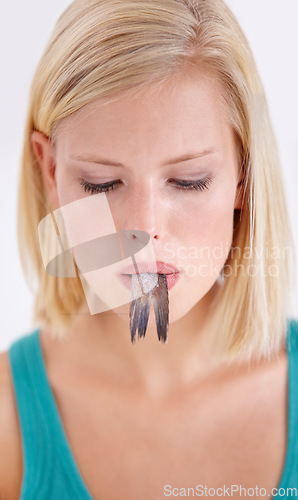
[[109, 186]]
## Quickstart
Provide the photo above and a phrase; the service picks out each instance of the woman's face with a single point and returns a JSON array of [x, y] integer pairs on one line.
[[168, 164]]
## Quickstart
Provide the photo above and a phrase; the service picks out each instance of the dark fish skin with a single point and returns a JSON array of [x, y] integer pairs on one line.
[[139, 315], [144, 316], [133, 319], [161, 308], [140, 309]]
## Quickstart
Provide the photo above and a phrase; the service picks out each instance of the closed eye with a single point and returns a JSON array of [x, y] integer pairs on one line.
[[200, 185], [99, 188], [197, 185]]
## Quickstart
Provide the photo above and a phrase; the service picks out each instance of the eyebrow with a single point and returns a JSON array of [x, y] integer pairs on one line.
[[172, 161]]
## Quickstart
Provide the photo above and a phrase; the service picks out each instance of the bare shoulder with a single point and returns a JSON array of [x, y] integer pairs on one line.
[[10, 437]]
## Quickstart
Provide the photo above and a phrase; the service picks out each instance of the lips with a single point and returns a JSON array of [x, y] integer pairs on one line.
[[159, 267]]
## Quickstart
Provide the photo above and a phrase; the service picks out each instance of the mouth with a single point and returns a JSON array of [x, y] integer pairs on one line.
[[172, 274]]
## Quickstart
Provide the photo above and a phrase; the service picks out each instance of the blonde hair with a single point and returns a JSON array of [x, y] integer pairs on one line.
[[102, 47]]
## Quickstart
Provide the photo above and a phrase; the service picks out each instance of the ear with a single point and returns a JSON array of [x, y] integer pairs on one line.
[[44, 153]]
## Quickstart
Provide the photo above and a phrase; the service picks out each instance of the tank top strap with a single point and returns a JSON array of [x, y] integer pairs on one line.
[[49, 468], [289, 477], [292, 346]]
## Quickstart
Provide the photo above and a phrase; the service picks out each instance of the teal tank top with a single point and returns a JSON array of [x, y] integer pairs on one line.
[[50, 470]]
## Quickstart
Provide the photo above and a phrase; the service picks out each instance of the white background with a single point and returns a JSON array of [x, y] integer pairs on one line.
[[271, 27]]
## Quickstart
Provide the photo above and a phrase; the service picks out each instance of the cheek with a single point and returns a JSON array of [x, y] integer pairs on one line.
[[205, 235], [207, 220], [216, 224], [68, 188]]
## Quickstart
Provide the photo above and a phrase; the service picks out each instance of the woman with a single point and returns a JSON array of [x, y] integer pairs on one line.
[[151, 195]]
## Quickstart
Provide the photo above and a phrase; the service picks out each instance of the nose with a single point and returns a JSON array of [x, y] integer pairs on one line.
[[143, 211]]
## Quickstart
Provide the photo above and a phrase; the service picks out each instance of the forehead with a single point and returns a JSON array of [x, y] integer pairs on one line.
[[184, 108]]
